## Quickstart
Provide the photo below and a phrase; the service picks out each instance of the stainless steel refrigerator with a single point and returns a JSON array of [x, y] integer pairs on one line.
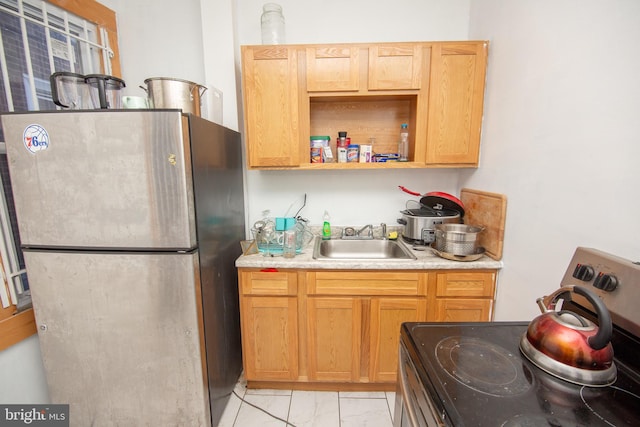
[[130, 223]]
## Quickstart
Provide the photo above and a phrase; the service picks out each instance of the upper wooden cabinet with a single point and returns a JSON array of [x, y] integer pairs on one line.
[[333, 68], [345, 68], [270, 94], [294, 91], [395, 66], [455, 103]]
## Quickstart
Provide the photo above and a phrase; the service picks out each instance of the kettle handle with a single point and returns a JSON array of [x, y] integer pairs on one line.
[[605, 326]]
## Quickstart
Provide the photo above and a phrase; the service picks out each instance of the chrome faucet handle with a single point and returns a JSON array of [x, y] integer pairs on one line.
[[348, 232]]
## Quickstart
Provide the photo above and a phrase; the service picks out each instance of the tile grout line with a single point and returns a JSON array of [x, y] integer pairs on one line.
[[235, 419], [289, 410]]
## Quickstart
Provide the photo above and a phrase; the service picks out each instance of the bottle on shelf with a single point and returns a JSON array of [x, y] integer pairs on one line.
[[341, 147], [403, 145]]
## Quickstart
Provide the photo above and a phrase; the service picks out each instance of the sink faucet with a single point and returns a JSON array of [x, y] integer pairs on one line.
[[384, 230], [369, 234]]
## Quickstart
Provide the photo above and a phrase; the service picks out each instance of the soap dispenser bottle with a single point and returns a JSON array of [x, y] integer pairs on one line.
[[326, 227]]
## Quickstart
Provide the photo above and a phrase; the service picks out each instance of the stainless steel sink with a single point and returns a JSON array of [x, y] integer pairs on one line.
[[369, 249]]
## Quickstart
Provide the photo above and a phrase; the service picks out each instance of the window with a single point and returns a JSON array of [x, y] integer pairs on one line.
[[38, 38]]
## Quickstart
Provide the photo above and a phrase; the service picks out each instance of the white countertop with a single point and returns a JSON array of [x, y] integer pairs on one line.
[[427, 260]]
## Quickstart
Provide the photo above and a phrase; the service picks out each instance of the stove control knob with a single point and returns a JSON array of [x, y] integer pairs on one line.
[[606, 282], [583, 272]]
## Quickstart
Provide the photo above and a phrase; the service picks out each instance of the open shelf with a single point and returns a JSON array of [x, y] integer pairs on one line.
[[365, 117]]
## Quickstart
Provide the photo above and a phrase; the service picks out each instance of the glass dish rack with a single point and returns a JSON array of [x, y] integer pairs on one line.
[[270, 241]]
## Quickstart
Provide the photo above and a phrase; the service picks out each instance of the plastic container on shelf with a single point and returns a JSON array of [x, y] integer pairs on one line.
[[318, 147], [353, 153], [272, 24]]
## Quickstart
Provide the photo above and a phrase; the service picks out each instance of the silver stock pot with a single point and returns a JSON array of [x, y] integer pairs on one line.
[[164, 92]]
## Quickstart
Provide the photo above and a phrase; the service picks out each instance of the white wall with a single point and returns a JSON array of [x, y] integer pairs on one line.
[[159, 38], [22, 377], [560, 136]]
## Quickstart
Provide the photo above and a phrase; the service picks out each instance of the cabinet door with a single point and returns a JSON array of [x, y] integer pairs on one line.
[[269, 337], [463, 310], [270, 91], [395, 67], [334, 338], [455, 103], [333, 68], [387, 314]]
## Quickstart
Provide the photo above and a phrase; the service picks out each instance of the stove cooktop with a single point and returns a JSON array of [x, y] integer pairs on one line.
[[477, 376]]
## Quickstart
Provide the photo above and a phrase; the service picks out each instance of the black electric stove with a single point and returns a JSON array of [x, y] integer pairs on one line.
[[474, 374]]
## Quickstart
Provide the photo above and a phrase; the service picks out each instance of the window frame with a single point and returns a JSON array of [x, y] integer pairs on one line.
[[101, 16], [16, 326]]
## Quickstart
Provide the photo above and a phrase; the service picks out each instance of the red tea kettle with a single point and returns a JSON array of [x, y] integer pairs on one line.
[[569, 346]]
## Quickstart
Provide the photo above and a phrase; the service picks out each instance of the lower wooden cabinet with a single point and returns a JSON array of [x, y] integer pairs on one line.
[[343, 327], [463, 296], [387, 314], [334, 329], [463, 310], [355, 339], [269, 322]]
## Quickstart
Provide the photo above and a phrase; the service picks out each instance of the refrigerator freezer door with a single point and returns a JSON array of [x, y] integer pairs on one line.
[[102, 179], [121, 336]]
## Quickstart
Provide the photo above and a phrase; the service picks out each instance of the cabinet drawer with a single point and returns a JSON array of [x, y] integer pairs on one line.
[[268, 283], [466, 284], [366, 283]]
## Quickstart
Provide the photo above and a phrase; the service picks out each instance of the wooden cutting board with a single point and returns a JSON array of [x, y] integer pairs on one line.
[[488, 210]]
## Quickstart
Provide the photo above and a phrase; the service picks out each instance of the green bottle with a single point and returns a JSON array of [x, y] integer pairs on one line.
[[326, 227]]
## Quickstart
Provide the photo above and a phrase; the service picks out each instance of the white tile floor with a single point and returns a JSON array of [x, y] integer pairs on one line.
[[308, 408]]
